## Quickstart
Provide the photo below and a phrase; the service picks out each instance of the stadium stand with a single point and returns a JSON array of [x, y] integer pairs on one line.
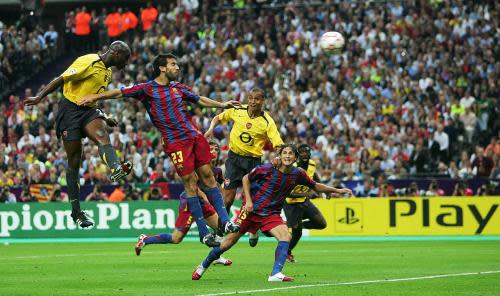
[[413, 97]]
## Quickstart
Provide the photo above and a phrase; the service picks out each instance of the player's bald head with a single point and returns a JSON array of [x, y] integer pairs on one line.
[[120, 47]]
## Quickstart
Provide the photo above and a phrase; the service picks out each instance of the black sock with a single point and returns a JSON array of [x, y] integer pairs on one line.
[[108, 155], [296, 235], [72, 178]]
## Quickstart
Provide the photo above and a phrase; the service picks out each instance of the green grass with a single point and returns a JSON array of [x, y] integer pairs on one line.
[[113, 269]]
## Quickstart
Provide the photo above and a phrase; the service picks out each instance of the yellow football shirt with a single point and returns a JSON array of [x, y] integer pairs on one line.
[[311, 170], [87, 75], [248, 135]]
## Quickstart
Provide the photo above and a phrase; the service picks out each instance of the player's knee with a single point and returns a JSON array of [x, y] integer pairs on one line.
[[207, 177], [177, 237], [101, 137], [190, 184], [206, 174], [177, 240]]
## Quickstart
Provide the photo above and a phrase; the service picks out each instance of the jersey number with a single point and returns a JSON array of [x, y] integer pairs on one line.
[[176, 157], [300, 189]]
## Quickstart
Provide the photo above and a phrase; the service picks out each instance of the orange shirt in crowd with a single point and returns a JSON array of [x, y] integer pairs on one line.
[[129, 21], [117, 195], [495, 147], [148, 17], [82, 23], [114, 24]]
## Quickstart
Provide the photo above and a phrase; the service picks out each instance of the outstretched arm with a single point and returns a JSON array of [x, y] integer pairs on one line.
[[51, 87], [309, 194], [90, 100], [319, 187], [206, 102]]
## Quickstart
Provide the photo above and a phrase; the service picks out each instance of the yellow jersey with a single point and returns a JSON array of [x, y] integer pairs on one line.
[[248, 135], [87, 75], [311, 170]]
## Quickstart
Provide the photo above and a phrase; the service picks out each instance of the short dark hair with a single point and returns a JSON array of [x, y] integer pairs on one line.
[[304, 148], [258, 90], [161, 61]]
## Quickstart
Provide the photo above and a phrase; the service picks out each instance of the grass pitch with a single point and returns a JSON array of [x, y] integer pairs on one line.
[[323, 268]]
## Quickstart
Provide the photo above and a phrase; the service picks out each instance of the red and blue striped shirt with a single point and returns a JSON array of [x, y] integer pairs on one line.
[[164, 104], [269, 187]]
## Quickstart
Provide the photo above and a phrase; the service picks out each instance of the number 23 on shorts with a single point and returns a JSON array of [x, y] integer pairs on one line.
[[176, 157]]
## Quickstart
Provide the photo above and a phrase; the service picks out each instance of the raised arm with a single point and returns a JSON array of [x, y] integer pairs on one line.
[[248, 198], [90, 100], [206, 102], [49, 88]]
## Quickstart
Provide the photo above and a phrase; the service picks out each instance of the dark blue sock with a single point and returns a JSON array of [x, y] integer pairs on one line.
[[194, 206], [215, 198], [212, 256], [162, 238], [280, 256]]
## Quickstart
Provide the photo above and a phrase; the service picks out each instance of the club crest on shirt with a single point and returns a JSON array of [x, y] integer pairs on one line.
[[226, 182], [175, 90], [65, 134], [249, 125]]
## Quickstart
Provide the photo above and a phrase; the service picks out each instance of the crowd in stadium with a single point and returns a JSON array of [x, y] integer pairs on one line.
[[414, 93]]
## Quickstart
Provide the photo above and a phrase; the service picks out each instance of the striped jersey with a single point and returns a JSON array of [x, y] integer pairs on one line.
[[164, 104], [269, 187]]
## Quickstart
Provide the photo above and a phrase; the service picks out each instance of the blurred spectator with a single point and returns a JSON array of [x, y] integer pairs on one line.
[[58, 195], [97, 194], [493, 146], [410, 191], [135, 193], [129, 21], [433, 190], [51, 36], [114, 24], [148, 16], [461, 189], [487, 189], [82, 29], [156, 194], [26, 195], [382, 107], [6, 196], [419, 159], [118, 195], [483, 164]]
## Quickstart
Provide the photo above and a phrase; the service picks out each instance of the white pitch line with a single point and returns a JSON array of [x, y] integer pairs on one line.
[[356, 283]]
